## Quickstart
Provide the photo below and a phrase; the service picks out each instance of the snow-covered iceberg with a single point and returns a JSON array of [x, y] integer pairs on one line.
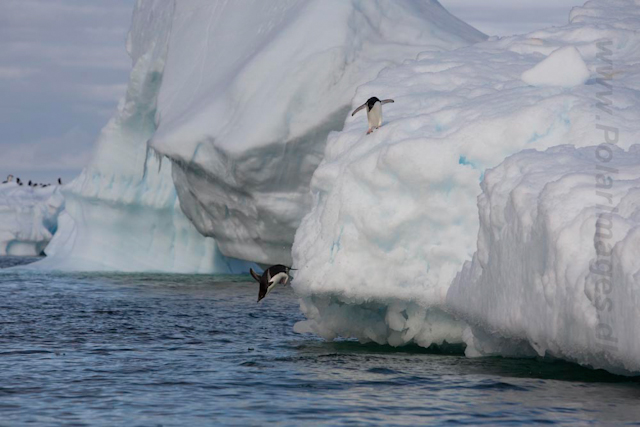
[[250, 91], [558, 263], [28, 218], [122, 213], [394, 213]]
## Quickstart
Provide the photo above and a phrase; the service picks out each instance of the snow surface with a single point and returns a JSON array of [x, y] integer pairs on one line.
[[122, 213], [394, 213], [251, 90], [563, 67], [558, 261], [28, 218]]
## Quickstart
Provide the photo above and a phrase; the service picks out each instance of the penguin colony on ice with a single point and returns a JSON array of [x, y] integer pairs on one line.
[[30, 183]]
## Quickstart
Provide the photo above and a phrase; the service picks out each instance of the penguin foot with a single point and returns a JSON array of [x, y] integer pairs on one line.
[[369, 131]]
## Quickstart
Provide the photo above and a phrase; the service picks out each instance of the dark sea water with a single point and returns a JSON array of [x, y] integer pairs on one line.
[[150, 350]]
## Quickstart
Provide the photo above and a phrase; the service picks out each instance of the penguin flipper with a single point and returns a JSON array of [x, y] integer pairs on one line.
[[358, 109], [254, 275], [387, 101]]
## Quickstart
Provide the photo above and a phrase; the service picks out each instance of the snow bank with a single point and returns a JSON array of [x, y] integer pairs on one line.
[[28, 218], [394, 213], [122, 213], [558, 261], [563, 67], [251, 90]]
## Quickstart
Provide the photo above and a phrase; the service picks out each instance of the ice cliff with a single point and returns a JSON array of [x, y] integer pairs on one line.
[[558, 262], [250, 91], [394, 214], [240, 97]]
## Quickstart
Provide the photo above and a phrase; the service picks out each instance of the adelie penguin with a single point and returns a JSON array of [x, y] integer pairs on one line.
[[270, 278], [374, 112]]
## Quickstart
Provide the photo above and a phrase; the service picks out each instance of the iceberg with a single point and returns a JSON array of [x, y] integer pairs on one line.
[[240, 97], [394, 214], [557, 268], [234, 146], [28, 218]]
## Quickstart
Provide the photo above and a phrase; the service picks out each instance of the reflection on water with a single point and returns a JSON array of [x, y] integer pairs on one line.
[[175, 349]]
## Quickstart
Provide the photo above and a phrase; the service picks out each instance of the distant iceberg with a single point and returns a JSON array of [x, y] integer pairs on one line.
[[28, 218], [122, 213]]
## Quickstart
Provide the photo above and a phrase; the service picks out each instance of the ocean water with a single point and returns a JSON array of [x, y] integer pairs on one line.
[[146, 349]]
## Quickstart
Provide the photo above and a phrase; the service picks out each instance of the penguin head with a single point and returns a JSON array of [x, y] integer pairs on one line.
[[263, 281], [265, 285], [371, 102]]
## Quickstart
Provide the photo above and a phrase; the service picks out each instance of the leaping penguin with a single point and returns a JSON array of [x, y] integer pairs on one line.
[[270, 278], [374, 112]]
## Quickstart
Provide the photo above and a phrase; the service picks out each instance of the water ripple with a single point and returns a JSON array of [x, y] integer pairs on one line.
[[145, 349]]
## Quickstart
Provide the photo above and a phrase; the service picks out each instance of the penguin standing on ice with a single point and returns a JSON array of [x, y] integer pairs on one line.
[[374, 112], [9, 179], [270, 278]]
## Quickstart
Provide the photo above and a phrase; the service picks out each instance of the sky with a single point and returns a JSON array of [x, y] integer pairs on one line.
[[63, 68]]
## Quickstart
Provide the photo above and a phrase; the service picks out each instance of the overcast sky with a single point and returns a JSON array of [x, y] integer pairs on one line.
[[63, 68]]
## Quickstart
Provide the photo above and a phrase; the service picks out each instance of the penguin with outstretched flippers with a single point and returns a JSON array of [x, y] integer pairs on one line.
[[374, 112], [270, 278]]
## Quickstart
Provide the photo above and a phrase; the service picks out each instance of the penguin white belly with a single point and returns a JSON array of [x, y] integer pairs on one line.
[[280, 278], [374, 116]]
